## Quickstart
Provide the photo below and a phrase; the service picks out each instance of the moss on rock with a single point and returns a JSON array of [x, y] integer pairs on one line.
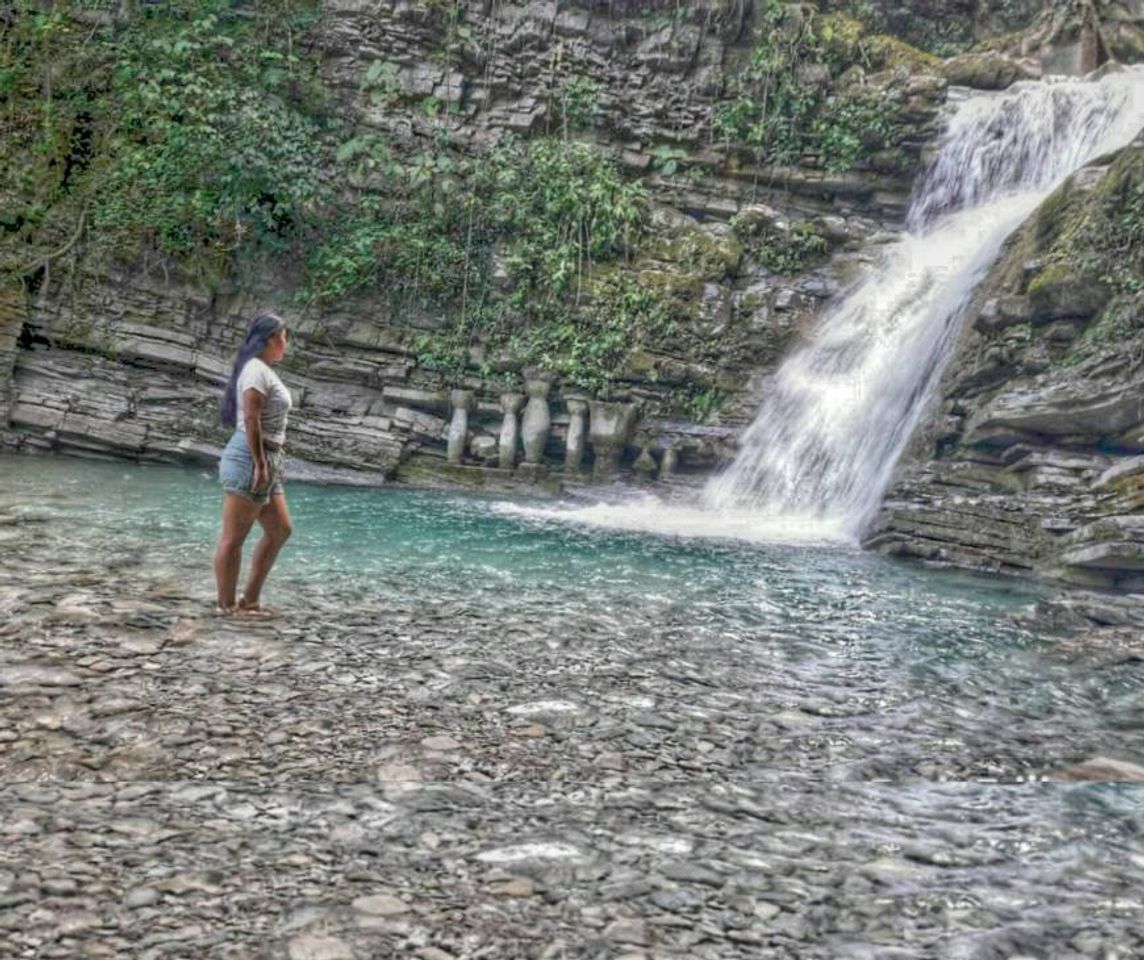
[[1063, 291]]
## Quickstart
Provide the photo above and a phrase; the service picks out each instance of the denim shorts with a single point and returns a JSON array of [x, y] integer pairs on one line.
[[236, 470]]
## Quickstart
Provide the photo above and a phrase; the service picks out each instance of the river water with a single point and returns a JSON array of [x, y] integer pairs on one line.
[[924, 673]]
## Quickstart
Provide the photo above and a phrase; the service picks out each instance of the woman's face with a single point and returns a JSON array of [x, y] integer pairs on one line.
[[276, 347]]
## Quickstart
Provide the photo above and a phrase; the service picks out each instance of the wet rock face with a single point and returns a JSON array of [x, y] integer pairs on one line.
[[990, 71], [152, 391], [1030, 458]]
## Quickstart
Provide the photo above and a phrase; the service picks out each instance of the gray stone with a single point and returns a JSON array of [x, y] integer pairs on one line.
[[990, 70], [485, 449], [1102, 769], [462, 403], [574, 444], [312, 946], [1126, 471], [381, 905], [645, 467], [627, 931], [1064, 409], [141, 897]]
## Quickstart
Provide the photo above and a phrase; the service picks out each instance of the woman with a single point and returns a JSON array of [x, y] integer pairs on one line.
[[256, 403]]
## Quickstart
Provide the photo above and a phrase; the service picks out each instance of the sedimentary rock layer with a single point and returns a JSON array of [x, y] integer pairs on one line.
[[1031, 456]]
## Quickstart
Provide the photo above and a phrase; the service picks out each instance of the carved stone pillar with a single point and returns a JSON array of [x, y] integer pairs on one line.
[[577, 424], [645, 466], [462, 401], [510, 428], [537, 422], [609, 427]]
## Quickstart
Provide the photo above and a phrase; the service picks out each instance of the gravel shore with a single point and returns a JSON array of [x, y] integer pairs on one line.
[[367, 776]]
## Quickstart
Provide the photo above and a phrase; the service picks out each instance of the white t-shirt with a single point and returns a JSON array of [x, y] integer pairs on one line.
[[276, 402]]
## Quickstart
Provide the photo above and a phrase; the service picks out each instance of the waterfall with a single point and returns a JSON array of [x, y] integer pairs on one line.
[[837, 413]]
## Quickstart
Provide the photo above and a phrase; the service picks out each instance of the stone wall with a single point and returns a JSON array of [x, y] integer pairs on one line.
[[11, 322]]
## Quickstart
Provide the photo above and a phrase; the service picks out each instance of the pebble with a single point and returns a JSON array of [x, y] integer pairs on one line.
[[141, 897], [517, 887], [398, 773], [381, 905], [308, 946], [627, 931]]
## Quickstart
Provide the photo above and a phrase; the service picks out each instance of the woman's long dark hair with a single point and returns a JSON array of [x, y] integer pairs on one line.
[[262, 328]]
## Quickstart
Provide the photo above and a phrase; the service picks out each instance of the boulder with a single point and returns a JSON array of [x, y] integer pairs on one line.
[[1070, 408], [1111, 543], [989, 70], [1061, 291], [484, 449]]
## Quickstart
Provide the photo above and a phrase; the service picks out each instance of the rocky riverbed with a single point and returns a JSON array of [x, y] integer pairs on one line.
[[398, 767]]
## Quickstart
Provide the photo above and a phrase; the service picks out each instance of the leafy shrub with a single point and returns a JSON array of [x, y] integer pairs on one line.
[[783, 251], [181, 127], [781, 111]]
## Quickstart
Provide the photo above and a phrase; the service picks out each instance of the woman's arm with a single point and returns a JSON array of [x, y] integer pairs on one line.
[[252, 419]]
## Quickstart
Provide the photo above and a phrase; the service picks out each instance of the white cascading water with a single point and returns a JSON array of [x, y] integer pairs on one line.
[[817, 459], [839, 410]]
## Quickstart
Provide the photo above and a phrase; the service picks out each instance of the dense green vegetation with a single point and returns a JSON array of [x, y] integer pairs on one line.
[[547, 214], [786, 101], [1097, 241], [784, 250], [182, 129], [943, 30], [198, 132]]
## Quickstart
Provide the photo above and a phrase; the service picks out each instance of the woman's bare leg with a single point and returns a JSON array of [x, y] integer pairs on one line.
[[276, 530], [238, 516]]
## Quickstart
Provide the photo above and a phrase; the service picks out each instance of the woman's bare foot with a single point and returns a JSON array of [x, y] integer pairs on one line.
[[247, 609]]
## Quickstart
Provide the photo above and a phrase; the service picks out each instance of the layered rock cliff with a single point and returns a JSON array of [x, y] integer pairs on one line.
[[1031, 459], [1025, 464], [126, 359]]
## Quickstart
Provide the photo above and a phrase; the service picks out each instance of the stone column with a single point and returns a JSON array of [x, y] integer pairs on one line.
[[462, 401], [577, 423], [609, 426], [510, 429], [670, 461], [645, 466], [537, 423]]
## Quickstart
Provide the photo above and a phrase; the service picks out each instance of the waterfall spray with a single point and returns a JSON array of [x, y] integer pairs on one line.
[[839, 410]]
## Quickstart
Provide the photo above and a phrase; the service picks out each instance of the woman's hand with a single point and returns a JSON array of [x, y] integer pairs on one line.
[[261, 476]]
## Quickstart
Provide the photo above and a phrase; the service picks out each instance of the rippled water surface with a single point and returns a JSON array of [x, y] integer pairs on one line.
[[945, 659]]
